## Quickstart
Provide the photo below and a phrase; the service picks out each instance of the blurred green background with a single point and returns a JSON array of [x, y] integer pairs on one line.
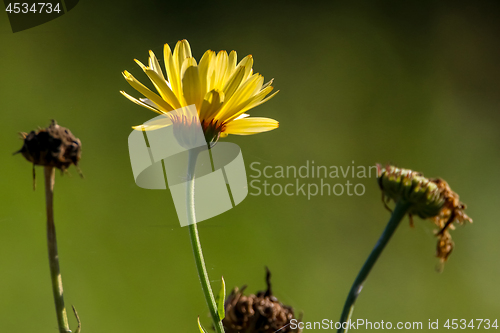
[[414, 83]]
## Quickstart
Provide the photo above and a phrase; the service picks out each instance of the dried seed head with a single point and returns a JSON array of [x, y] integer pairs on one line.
[[444, 246], [430, 198], [260, 313], [53, 146], [452, 210]]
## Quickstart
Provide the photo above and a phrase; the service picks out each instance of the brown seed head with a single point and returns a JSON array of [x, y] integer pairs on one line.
[[53, 146], [260, 313]]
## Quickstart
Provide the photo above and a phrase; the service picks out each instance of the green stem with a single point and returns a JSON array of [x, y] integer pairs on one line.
[[55, 274], [396, 217], [195, 243]]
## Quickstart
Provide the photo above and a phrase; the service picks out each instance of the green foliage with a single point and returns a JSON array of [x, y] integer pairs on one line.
[[220, 300], [202, 330]]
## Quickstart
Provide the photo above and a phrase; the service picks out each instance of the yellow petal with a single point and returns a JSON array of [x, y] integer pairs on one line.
[[191, 87], [140, 64], [253, 102], [148, 128], [257, 103], [138, 102], [268, 84], [205, 67], [155, 124], [241, 97], [164, 106], [188, 62], [247, 62], [234, 82], [182, 51], [155, 65], [220, 70], [162, 87], [231, 63], [172, 72], [241, 116], [252, 125], [159, 82], [211, 104]]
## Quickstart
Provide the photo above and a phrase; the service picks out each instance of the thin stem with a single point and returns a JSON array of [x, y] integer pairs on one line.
[[55, 274], [195, 243], [396, 217]]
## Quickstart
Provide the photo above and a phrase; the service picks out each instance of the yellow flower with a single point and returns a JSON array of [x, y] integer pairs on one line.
[[220, 89]]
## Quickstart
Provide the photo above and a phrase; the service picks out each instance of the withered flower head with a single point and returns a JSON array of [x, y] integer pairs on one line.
[[430, 198], [53, 146], [260, 313]]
